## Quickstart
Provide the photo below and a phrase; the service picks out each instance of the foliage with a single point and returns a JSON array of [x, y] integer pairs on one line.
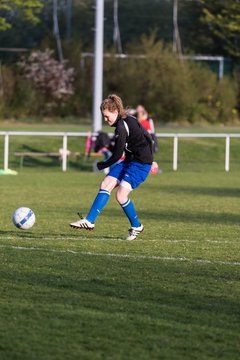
[[206, 27], [223, 18], [8, 93], [49, 76], [10, 9], [171, 89], [81, 100]]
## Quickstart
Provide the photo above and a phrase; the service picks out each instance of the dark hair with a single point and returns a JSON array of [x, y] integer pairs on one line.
[[112, 103]]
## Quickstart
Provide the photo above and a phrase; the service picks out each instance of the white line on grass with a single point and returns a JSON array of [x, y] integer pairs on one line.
[[135, 257], [118, 239]]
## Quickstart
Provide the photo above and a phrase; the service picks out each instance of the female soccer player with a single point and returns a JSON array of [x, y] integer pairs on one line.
[[136, 144]]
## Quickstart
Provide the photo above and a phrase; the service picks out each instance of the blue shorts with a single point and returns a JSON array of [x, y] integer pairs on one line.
[[130, 174]]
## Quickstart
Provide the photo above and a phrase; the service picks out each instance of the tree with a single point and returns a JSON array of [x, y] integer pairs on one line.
[[9, 9], [223, 19]]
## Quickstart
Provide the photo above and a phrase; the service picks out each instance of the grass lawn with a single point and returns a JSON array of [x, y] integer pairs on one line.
[[171, 294]]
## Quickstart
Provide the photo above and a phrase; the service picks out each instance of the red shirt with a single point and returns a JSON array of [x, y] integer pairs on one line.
[[146, 124]]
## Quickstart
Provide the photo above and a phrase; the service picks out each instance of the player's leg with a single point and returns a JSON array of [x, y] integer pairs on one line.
[[127, 205], [134, 174], [107, 185]]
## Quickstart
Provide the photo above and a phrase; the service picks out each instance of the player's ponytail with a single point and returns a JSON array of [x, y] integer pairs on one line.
[[112, 103]]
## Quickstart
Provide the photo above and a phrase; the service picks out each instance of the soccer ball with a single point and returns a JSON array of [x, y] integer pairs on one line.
[[23, 218]]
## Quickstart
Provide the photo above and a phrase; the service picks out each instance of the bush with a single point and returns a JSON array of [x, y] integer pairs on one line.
[[216, 99], [171, 89], [8, 90], [49, 77], [19, 98]]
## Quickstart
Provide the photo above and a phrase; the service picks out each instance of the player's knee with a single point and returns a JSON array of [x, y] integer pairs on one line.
[[108, 184], [103, 185], [120, 197]]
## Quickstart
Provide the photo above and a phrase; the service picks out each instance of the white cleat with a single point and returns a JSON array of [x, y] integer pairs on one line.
[[82, 224], [134, 232]]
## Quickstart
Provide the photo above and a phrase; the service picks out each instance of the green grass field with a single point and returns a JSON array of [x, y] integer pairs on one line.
[[172, 294]]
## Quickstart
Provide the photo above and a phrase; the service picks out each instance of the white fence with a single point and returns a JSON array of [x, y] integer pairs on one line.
[[176, 140], [65, 136]]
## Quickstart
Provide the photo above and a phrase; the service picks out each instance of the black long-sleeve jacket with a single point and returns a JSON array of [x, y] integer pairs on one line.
[[132, 139]]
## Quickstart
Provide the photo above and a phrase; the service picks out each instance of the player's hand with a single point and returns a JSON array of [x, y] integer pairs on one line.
[[100, 165]]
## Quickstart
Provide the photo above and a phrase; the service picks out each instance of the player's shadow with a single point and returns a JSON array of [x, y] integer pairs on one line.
[[203, 217], [103, 237], [16, 233], [199, 190], [196, 217]]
